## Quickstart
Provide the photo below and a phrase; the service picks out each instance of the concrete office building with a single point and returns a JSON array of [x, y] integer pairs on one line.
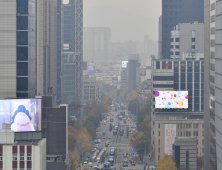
[[91, 90], [124, 79], [21, 39], [185, 127], [187, 38], [178, 75], [210, 155], [97, 43], [218, 81], [175, 12], [19, 153], [55, 127], [185, 152], [72, 58]]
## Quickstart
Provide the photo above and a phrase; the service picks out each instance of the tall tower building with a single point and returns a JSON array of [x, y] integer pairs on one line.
[[175, 12], [72, 58], [210, 150], [21, 39], [50, 48]]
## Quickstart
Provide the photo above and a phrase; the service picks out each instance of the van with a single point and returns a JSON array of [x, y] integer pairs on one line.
[[98, 159]]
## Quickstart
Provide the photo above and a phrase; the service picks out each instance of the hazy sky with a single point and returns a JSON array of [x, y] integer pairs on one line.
[[141, 9], [146, 8]]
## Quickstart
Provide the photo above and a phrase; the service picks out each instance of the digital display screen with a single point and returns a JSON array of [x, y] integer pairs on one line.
[[22, 114], [171, 99], [124, 64], [91, 68]]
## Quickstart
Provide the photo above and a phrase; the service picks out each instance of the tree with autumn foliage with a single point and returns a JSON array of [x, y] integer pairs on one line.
[[74, 160], [166, 163], [84, 141], [72, 137], [137, 141]]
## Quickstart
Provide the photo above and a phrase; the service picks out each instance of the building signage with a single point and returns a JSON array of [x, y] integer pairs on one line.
[[169, 138], [124, 64]]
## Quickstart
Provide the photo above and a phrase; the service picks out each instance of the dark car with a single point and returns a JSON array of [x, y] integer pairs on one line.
[[130, 161], [106, 144]]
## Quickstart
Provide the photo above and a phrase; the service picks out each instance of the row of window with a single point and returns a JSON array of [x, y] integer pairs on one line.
[[15, 157], [176, 53], [188, 133]]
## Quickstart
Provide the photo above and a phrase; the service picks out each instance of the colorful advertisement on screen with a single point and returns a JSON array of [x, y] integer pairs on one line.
[[171, 99], [169, 138], [22, 114], [91, 68], [124, 64]]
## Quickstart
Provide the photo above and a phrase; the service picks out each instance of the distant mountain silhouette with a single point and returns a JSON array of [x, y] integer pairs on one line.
[[124, 25]]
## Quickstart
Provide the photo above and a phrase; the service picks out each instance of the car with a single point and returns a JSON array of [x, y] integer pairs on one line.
[[95, 166], [108, 137], [131, 126], [99, 141], [96, 145], [130, 161], [124, 155], [85, 162], [90, 164], [97, 130], [104, 137], [133, 164]]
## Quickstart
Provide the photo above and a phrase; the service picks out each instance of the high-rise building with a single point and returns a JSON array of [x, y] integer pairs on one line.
[[210, 151], [72, 58], [178, 75], [218, 81], [175, 12], [132, 76], [187, 38], [160, 37], [97, 43], [59, 49], [21, 54], [50, 47]]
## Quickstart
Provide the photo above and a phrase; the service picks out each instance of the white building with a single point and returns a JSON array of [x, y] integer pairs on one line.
[[23, 155], [187, 38]]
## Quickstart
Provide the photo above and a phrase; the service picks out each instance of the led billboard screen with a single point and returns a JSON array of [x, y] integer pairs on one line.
[[124, 64], [169, 138], [22, 114], [91, 68], [171, 99]]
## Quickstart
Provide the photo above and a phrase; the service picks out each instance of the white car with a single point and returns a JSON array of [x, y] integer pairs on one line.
[[99, 141], [104, 122], [95, 166], [96, 145], [90, 164], [85, 162]]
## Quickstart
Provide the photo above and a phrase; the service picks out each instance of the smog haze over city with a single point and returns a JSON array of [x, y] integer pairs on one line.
[[110, 85]]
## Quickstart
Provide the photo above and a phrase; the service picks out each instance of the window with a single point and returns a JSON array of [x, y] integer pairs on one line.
[[189, 133], [187, 159], [158, 150], [159, 133], [157, 65], [1, 158], [22, 157], [22, 83], [177, 39], [195, 126], [181, 134], [202, 142], [29, 157], [177, 46], [22, 37], [22, 22], [193, 39], [159, 125], [22, 53], [22, 68], [187, 125], [159, 141], [171, 46], [177, 53], [22, 6], [193, 46], [190, 126], [197, 141], [14, 157], [171, 53], [202, 133], [172, 39], [202, 150], [195, 133]]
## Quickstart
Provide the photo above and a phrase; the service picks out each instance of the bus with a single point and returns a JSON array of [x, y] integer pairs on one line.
[[121, 132], [111, 160], [125, 162]]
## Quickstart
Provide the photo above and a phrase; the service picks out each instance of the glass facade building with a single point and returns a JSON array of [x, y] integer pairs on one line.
[[175, 12], [72, 56]]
